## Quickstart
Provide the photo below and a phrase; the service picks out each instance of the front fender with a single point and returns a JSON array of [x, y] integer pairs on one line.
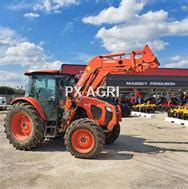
[[33, 102]]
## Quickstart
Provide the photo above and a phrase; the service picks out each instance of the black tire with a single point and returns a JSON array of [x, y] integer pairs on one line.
[[170, 114], [176, 115], [37, 124], [94, 129], [152, 110], [125, 110], [180, 116], [113, 135], [186, 116]]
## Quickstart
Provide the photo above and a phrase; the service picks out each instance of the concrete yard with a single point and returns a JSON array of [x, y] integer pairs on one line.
[[150, 153]]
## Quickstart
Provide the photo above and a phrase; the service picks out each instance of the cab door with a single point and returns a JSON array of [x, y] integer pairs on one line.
[[44, 90]]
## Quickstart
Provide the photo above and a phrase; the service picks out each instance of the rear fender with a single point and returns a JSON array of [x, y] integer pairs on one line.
[[34, 103]]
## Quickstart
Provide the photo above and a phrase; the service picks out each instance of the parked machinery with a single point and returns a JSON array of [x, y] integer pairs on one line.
[[164, 105], [145, 107], [148, 106], [185, 113], [3, 103], [180, 112]]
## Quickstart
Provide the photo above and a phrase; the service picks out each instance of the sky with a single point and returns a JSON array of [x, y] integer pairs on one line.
[[43, 34]]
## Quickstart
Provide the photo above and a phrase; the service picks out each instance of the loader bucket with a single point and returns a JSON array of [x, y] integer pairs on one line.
[[149, 57]]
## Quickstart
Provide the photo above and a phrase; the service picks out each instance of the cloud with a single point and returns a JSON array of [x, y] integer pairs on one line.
[[12, 79], [177, 62], [20, 6], [31, 15], [127, 10], [16, 50], [156, 44], [37, 6], [29, 56], [130, 28], [9, 37], [82, 57], [68, 27], [184, 8], [53, 6]]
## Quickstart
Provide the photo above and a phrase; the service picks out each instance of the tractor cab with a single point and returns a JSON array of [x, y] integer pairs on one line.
[[44, 86]]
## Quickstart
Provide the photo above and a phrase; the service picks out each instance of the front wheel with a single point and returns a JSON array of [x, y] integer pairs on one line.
[[84, 139], [112, 135]]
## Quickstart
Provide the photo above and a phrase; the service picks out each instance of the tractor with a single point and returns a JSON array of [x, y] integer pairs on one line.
[[86, 122]]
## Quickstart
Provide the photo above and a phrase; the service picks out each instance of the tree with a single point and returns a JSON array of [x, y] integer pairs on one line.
[[11, 91], [6, 90]]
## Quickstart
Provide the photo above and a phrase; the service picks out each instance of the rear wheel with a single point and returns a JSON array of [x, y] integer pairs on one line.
[[113, 135], [23, 127], [84, 139]]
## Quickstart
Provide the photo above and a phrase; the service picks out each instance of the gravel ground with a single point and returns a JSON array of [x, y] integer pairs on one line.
[[150, 153]]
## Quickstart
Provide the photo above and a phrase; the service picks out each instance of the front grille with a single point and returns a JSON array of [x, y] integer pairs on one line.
[[96, 112], [108, 117]]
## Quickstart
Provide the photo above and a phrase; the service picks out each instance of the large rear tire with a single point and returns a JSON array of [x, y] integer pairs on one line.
[[23, 127], [113, 135], [84, 139]]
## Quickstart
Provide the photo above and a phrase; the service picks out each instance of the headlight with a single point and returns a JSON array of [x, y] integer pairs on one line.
[[108, 109]]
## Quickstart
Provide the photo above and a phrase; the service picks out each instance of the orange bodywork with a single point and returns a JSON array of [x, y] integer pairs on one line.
[[98, 69], [87, 102]]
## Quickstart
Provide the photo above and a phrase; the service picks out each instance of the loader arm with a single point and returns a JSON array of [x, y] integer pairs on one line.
[[100, 66], [95, 74]]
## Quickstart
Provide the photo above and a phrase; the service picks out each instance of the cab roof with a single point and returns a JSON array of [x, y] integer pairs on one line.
[[71, 69], [32, 72]]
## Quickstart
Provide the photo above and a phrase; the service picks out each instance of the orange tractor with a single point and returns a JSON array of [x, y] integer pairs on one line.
[[86, 122]]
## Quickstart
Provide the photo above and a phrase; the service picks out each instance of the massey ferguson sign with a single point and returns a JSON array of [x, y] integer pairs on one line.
[[147, 81], [153, 83]]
